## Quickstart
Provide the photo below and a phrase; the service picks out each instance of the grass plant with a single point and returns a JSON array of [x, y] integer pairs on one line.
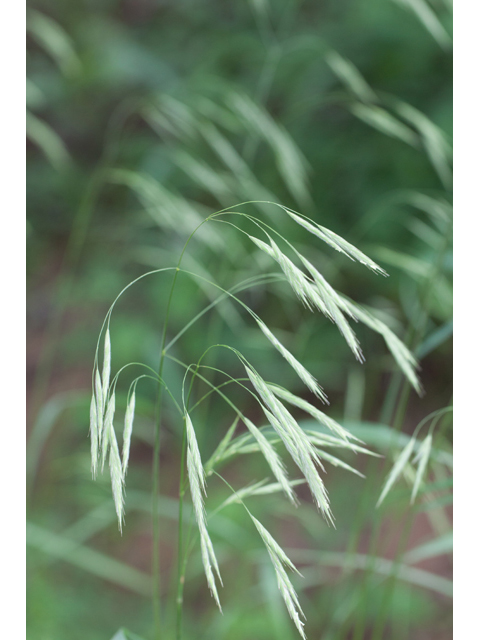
[[235, 334], [305, 447]]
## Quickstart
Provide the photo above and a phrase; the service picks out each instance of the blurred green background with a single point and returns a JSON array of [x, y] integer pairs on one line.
[[143, 117]]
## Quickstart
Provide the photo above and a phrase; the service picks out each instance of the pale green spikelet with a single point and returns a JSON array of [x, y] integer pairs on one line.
[[397, 468], [257, 489], [273, 460], [296, 278], [320, 416], [317, 294], [422, 457], [279, 561], [336, 241], [336, 462], [93, 435], [127, 432], [299, 369], [295, 440], [221, 449], [107, 426], [116, 474], [196, 460], [326, 440], [404, 358], [196, 476], [330, 301]]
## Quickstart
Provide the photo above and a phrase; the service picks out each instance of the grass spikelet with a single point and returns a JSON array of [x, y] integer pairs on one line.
[[321, 417], [273, 460], [127, 432], [322, 296], [330, 307], [337, 242], [196, 476], [316, 484], [257, 489], [107, 356], [326, 440], [403, 357], [116, 474], [336, 462], [273, 546], [296, 278], [280, 560], [288, 429], [300, 370], [217, 455], [305, 457], [107, 426], [100, 404], [422, 457], [195, 458], [295, 440], [397, 469], [93, 435], [329, 297]]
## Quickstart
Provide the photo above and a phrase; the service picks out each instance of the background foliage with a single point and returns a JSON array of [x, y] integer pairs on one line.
[[143, 116]]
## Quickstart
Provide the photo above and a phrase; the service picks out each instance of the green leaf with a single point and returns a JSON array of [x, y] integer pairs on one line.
[[386, 123], [382, 566], [429, 20], [55, 41], [48, 141], [350, 76], [437, 547], [88, 559], [435, 339]]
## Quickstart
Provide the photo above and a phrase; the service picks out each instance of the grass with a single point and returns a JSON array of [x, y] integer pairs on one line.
[[305, 448], [359, 146]]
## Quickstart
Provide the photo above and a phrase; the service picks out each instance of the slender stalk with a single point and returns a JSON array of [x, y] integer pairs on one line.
[[181, 561], [156, 603]]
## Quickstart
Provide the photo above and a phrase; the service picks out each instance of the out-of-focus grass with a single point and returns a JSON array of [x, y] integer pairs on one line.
[[143, 118]]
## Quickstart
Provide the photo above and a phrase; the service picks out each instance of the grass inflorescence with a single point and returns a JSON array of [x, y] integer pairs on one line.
[[306, 448]]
